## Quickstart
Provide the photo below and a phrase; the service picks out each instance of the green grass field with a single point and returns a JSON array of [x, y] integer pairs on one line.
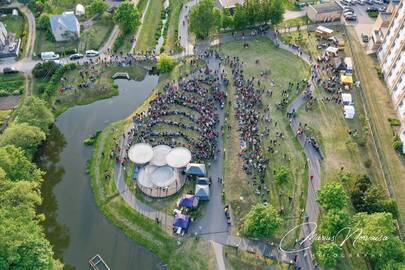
[[172, 34], [284, 67], [146, 39]]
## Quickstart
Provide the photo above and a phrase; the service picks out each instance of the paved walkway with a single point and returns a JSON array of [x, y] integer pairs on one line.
[[183, 35]]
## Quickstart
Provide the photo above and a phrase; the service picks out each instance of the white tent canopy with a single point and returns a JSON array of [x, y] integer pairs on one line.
[[349, 111], [202, 192], [80, 11], [347, 99], [197, 169], [140, 153], [160, 153], [178, 157]]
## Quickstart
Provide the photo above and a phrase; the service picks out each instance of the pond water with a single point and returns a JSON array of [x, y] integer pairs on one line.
[[74, 225]]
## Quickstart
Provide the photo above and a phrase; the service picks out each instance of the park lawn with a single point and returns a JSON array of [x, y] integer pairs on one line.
[[142, 5], [14, 24], [299, 21], [284, 67], [44, 44], [377, 102], [242, 260], [146, 39], [103, 28], [11, 84], [171, 40], [5, 116], [102, 88]]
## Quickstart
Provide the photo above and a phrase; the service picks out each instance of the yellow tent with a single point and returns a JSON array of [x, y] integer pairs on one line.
[[346, 79]]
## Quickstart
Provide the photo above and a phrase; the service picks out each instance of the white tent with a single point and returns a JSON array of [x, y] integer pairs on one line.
[[347, 99], [202, 189], [197, 169], [80, 11], [332, 51], [349, 111]]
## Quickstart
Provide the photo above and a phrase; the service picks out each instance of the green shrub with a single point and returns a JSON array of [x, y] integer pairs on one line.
[[394, 122], [373, 14], [118, 43], [45, 70]]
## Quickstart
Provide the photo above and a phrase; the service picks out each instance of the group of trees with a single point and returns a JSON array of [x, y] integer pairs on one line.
[[205, 18], [372, 229], [23, 244], [262, 221], [127, 17]]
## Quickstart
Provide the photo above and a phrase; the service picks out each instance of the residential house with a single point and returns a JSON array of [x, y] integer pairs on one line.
[[65, 26]]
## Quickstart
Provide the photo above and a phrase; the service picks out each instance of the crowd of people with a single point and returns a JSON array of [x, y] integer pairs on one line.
[[195, 97]]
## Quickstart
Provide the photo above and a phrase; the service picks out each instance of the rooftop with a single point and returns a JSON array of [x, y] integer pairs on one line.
[[229, 3], [327, 7]]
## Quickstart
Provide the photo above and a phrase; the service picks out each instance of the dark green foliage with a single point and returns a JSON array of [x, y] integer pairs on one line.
[[328, 254], [55, 79], [332, 196], [261, 221], [35, 112], [45, 70], [127, 17]]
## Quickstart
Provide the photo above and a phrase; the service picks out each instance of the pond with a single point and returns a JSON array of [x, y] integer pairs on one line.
[[74, 224]]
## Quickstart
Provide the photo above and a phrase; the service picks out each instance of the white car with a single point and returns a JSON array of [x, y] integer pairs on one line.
[[378, 2], [348, 14], [92, 53]]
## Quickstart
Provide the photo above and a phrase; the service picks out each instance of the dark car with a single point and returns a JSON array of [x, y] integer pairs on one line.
[[76, 56], [9, 70], [372, 9], [364, 38]]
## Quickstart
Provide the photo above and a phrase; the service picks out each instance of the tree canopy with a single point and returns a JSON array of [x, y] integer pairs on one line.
[[384, 247], [333, 221], [127, 17], [16, 166], [165, 63], [97, 7], [35, 112], [24, 136], [332, 196], [261, 221], [328, 254], [203, 18], [283, 175]]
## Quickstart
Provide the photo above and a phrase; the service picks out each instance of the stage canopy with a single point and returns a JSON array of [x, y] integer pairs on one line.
[[188, 200], [140, 153], [181, 221], [178, 157], [160, 153]]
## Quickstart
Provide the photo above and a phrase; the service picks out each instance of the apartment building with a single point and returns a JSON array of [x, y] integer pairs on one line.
[[391, 55]]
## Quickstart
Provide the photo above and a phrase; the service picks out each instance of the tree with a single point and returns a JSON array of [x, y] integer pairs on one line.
[[227, 19], [165, 63], [23, 244], [369, 197], [239, 18], [127, 17], [97, 7], [328, 254], [35, 112], [276, 12], [45, 70], [261, 221], [16, 166], [333, 221], [87, 38], [24, 136], [203, 18], [43, 22], [332, 196], [283, 175], [384, 247]]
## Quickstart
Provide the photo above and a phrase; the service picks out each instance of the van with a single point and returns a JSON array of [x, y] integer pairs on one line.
[[349, 65], [92, 53], [46, 56]]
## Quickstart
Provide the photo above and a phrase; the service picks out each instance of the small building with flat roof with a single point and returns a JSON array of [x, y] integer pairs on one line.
[[326, 12]]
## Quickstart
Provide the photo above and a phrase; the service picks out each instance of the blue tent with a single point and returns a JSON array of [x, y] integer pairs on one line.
[[196, 169], [188, 200], [181, 221]]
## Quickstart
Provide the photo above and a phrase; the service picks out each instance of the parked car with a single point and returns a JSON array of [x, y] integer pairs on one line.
[[372, 9], [382, 9], [378, 2], [92, 53], [76, 56], [9, 70], [348, 9], [46, 56], [348, 14], [364, 38], [351, 18]]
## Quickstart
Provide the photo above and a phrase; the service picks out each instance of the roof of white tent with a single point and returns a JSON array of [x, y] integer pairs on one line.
[[79, 9], [160, 153], [349, 111], [178, 157], [140, 153], [346, 97]]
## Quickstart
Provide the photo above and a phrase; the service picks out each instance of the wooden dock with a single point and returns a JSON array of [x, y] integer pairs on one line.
[[121, 75], [97, 263]]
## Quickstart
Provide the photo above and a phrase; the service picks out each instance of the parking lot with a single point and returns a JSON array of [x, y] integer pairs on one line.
[[364, 23]]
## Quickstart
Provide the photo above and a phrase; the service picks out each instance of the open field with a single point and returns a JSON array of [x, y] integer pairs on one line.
[[379, 108], [171, 44], [283, 67], [146, 39]]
